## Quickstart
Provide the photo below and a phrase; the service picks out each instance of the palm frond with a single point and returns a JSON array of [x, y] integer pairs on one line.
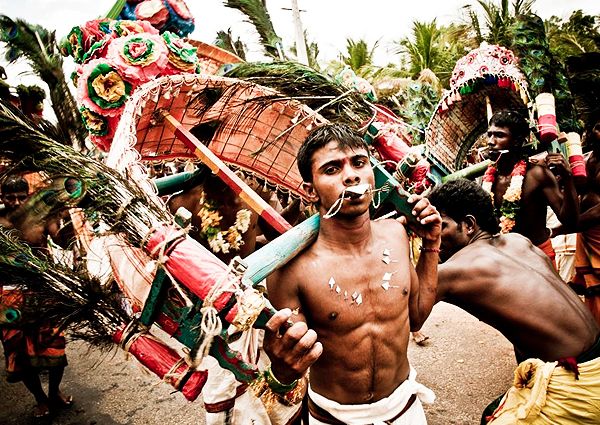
[[258, 15]]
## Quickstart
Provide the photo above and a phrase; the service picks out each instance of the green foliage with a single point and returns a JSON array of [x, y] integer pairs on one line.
[[359, 54], [435, 48], [257, 12], [312, 51], [497, 19], [225, 41], [579, 34]]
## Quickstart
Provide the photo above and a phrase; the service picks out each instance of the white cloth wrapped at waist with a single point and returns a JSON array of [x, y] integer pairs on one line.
[[381, 410]]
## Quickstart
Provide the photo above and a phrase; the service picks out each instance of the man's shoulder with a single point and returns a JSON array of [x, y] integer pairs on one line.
[[472, 258], [296, 264], [537, 171], [388, 225]]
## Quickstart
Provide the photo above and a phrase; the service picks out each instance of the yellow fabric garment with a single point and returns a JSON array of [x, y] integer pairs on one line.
[[544, 393]]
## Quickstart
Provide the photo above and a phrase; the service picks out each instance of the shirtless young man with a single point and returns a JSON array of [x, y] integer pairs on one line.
[[354, 293], [507, 133], [511, 285]]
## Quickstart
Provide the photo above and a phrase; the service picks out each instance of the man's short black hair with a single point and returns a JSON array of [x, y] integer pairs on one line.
[[462, 197], [13, 184], [346, 137], [514, 121]]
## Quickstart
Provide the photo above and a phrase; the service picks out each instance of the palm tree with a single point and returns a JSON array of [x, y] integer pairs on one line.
[[498, 19], [39, 47], [359, 54], [312, 51], [435, 48], [579, 34]]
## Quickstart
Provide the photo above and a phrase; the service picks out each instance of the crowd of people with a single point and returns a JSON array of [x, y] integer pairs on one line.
[[486, 247]]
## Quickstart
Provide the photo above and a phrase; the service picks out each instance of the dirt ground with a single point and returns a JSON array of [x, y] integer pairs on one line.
[[465, 362]]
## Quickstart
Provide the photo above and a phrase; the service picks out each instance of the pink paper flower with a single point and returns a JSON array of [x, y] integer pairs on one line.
[[102, 89], [124, 28], [139, 57]]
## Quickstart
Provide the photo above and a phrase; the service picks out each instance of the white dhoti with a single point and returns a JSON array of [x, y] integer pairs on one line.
[[384, 411]]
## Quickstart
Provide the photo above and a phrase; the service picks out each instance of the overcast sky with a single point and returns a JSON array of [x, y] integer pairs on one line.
[[328, 22]]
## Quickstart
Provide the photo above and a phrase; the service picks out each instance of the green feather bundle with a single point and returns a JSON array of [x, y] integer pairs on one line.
[[312, 88], [111, 199], [544, 73]]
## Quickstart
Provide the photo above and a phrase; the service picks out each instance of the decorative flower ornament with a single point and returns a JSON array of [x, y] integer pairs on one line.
[[511, 201], [87, 41], [139, 57], [222, 240], [102, 89], [124, 28], [95, 123], [153, 11], [181, 20], [182, 55]]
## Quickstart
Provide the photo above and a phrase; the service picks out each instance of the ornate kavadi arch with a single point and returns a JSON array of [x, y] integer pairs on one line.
[[227, 115], [489, 71]]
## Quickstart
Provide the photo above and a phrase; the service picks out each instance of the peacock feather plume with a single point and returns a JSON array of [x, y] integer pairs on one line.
[[316, 90], [39, 47], [544, 73]]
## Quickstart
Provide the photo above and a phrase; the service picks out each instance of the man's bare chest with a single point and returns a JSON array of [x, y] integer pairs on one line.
[[349, 289]]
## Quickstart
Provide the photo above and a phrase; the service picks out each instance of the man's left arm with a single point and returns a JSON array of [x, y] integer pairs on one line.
[[424, 277], [564, 202]]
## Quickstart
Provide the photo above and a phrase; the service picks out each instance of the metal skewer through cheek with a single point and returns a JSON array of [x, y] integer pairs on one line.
[[359, 189]]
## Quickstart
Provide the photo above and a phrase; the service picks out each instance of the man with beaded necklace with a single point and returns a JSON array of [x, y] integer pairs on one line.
[[522, 191]]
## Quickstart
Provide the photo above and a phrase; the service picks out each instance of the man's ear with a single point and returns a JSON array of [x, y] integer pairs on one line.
[[311, 193], [470, 223]]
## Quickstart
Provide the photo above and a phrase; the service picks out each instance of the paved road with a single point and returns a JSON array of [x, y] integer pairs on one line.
[[466, 363]]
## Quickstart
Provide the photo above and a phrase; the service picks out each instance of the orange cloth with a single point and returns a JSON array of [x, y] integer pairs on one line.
[[548, 250], [27, 346], [587, 266]]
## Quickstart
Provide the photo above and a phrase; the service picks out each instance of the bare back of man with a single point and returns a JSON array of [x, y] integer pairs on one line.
[[543, 318], [364, 339]]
